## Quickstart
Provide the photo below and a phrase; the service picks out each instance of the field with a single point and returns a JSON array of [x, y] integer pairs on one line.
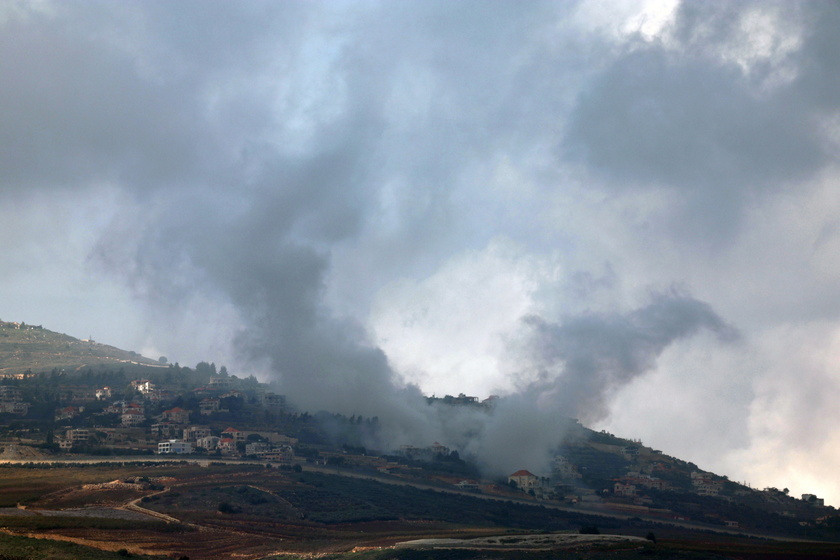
[[252, 512]]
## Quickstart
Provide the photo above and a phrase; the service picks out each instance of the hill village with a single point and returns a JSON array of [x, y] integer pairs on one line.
[[206, 414]]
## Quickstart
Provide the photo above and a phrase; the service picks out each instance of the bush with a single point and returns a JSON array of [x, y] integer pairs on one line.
[[225, 507], [589, 530]]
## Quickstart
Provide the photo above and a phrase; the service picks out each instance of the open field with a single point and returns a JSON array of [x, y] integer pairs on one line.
[[250, 512]]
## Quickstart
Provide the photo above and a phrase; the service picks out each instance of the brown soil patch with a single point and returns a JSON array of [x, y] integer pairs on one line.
[[79, 497]]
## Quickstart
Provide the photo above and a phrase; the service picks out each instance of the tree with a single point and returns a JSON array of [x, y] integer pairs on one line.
[[225, 507]]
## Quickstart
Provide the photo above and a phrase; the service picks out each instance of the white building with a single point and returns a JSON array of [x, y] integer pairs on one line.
[[174, 446], [207, 442]]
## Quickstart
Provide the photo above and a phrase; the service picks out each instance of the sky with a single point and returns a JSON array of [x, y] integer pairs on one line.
[[623, 212]]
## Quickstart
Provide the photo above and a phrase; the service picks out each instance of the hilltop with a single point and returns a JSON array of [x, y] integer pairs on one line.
[[27, 347]]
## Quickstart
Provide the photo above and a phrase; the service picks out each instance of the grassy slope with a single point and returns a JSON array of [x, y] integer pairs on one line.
[[39, 349]]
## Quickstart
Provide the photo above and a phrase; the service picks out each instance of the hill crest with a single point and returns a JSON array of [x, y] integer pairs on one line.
[[33, 348]]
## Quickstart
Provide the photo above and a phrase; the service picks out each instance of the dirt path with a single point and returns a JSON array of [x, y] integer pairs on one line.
[[111, 546], [133, 505]]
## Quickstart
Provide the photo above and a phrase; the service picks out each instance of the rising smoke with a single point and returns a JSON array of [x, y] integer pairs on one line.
[[265, 246]]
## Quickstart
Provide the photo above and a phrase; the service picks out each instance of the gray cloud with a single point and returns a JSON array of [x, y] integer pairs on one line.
[[680, 115]]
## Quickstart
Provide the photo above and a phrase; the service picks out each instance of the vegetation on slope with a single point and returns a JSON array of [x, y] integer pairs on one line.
[[34, 348]]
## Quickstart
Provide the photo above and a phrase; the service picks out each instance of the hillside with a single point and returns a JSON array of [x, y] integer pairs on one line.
[[106, 402], [27, 347]]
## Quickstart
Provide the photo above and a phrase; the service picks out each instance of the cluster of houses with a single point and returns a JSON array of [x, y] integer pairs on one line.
[[566, 480], [231, 441], [133, 423], [706, 484], [11, 401]]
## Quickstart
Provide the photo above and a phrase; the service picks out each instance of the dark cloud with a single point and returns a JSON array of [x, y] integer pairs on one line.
[[818, 79], [679, 115], [76, 113], [653, 119]]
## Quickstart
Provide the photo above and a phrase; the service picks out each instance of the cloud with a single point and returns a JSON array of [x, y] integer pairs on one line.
[[707, 116]]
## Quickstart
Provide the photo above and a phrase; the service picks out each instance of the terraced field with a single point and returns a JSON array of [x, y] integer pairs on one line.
[[249, 512]]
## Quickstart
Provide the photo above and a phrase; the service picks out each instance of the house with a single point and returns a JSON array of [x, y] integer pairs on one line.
[[218, 382], [103, 393], [524, 480], [640, 480], [193, 433], [14, 407], [438, 449], [209, 406], [114, 408], [624, 490], [132, 406], [281, 454], [9, 393], [68, 412], [227, 445], [158, 395], [812, 499], [705, 484], [132, 417], [166, 430], [631, 452], [234, 434], [174, 446], [78, 435], [176, 415], [257, 448], [144, 386], [123, 435], [207, 442], [273, 400]]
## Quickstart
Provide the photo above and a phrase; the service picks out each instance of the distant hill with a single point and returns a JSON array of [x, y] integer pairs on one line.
[[27, 347]]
